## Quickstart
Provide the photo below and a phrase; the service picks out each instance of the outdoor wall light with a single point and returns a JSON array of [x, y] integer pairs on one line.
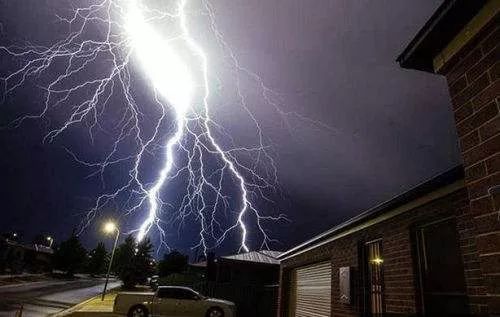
[[377, 261]]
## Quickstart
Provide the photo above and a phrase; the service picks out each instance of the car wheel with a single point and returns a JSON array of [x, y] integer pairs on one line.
[[138, 311], [215, 312]]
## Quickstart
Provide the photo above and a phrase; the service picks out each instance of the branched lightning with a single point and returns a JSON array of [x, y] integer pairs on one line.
[[89, 76]]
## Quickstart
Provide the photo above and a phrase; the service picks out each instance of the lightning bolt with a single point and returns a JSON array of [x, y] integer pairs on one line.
[[172, 79], [98, 77]]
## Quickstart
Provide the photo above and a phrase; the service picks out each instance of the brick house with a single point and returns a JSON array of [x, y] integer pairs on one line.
[[434, 250], [463, 45]]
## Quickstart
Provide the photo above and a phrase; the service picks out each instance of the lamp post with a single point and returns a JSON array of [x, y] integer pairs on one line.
[[51, 240], [109, 228]]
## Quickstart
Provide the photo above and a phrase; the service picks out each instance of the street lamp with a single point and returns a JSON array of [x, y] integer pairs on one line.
[[109, 228], [50, 240]]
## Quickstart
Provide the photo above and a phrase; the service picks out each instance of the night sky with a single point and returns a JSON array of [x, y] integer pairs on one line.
[[330, 60]]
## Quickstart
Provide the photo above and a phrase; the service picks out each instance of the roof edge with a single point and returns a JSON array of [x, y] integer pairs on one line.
[[422, 33], [444, 24]]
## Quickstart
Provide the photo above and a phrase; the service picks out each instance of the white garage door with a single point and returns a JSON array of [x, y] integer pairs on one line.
[[310, 291]]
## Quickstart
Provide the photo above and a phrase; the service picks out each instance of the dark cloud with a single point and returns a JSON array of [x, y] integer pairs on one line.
[[330, 60]]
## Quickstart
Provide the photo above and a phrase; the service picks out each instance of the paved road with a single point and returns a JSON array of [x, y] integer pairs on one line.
[[48, 297]]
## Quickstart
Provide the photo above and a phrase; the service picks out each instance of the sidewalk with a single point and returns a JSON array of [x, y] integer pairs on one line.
[[92, 307]]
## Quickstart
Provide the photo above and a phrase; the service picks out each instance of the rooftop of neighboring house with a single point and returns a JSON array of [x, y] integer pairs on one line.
[[32, 247], [261, 257]]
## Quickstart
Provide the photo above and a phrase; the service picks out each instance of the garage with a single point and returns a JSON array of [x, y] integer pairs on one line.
[[310, 290]]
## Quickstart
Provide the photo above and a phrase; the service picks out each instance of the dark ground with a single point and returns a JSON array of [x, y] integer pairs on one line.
[[49, 296]]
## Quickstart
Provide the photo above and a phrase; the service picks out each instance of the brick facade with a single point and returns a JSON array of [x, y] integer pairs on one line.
[[401, 295], [474, 85]]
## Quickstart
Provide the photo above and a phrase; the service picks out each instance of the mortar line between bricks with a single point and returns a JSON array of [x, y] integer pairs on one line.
[[487, 215], [481, 179], [486, 158], [489, 254], [488, 233]]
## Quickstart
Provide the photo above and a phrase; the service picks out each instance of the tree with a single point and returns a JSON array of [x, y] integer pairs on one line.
[[123, 263], [173, 262], [98, 260], [70, 255], [143, 261], [133, 262], [39, 239]]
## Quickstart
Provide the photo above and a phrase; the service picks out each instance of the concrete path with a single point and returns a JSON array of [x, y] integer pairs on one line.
[[92, 307]]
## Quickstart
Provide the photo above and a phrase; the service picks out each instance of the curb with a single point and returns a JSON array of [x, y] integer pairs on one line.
[[73, 310], [70, 310]]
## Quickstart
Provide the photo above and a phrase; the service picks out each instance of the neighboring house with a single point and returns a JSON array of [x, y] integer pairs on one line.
[[16, 257], [434, 250], [260, 268], [11, 256], [254, 268], [38, 258], [248, 279]]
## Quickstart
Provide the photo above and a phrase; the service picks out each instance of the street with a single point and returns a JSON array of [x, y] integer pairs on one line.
[[48, 297]]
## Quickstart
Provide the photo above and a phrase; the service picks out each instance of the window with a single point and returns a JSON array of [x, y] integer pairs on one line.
[[177, 293], [373, 277], [441, 271]]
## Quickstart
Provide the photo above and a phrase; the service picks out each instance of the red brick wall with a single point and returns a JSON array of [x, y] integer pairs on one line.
[[401, 295], [473, 78]]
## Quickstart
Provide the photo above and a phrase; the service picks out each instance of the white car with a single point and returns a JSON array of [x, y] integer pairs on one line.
[[171, 301]]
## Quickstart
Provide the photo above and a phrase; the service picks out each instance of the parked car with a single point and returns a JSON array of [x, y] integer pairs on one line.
[[172, 301]]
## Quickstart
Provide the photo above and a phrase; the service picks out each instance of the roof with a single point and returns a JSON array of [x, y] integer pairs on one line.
[[447, 178], [263, 256], [32, 247], [448, 20], [199, 264]]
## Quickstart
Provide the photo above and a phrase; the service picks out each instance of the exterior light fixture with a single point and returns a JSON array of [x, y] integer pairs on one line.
[[109, 228], [50, 240]]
